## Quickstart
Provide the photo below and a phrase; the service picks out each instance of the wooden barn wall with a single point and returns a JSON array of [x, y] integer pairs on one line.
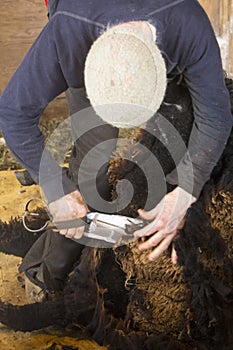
[[220, 13]]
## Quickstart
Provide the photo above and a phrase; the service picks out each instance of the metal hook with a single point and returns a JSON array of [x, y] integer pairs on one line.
[[27, 213]]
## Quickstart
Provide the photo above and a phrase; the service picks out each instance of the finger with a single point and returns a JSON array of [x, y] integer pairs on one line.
[[152, 227], [79, 232], [149, 215], [153, 241], [70, 232], [63, 232], [162, 247], [75, 232], [174, 256], [181, 225]]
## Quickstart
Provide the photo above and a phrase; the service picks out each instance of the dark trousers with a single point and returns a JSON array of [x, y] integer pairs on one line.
[[52, 256]]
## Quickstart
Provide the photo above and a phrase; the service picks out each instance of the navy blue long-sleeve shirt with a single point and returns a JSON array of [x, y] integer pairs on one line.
[[56, 61]]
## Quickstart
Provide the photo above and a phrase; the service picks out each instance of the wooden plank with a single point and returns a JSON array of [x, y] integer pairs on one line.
[[221, 17], [21, 22], [226, 33], [224, 16], [230, 69]]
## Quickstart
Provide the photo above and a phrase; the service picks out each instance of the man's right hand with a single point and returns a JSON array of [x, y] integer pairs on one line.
[[69, 207]]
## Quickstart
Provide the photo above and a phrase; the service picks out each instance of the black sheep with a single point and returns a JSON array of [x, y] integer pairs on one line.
[[120, 299]]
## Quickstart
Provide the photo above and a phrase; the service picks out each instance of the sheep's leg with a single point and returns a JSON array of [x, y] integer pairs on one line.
[[32, 316], [15, 239]]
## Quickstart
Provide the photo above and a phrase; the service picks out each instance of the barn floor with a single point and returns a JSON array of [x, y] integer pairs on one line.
[[20, 23], [13, 198]]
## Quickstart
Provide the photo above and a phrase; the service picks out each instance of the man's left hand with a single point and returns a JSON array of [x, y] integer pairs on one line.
[[166, 220], [69, 207]]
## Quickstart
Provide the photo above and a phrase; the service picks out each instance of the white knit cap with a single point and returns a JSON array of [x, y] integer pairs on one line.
[[125, 76]]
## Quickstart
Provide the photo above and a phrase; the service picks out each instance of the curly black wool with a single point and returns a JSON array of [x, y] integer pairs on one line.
[[97, 297]]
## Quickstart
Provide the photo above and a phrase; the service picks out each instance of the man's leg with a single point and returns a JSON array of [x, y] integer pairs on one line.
[[52, 256]]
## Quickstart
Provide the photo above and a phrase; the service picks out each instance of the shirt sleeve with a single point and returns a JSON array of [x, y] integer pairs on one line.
[[212, 116], [37, 81]]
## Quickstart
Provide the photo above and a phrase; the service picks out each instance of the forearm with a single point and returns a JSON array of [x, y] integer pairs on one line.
[[25, 141], [205, 149], [212, 120]]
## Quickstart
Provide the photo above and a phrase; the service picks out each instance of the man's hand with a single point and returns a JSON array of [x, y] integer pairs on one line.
[[166, 219], [69, 207]]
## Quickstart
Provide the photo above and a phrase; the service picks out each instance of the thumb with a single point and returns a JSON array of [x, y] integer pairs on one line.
[[149, 215], [146, 215], [174, 256]]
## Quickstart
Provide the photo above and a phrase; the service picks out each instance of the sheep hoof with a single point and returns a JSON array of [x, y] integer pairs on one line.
[[34, 293]]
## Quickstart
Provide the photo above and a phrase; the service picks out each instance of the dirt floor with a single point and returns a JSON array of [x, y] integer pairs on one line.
[[21, 21], [13, 198]]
